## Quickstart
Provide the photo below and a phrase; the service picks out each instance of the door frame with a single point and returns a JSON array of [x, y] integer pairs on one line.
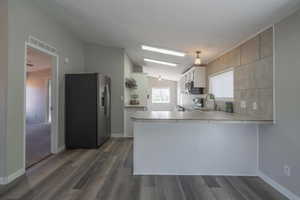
[[55, 99]]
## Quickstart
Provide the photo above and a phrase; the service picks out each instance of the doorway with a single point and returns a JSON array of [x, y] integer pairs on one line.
[[40, 105]]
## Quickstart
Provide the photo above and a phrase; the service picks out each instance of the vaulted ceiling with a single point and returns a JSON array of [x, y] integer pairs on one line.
[[185, 25]]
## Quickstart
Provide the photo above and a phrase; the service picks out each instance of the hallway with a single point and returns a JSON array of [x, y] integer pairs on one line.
[[38, 142]]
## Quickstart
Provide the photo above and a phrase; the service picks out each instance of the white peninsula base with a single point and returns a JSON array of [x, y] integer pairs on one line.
[[195, 148]]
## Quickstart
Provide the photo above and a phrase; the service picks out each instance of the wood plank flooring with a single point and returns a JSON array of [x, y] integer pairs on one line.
[[106, 174]]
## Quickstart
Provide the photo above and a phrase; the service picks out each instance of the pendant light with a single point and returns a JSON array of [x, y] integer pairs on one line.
[[198, 59]]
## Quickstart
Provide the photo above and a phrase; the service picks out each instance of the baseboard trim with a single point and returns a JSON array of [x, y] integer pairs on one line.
[[2, 181], [61, 149], [278, 187], [117, 135], [12, 177]]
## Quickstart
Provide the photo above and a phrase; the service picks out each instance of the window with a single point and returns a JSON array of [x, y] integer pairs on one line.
[[160, 95], [221, 85]]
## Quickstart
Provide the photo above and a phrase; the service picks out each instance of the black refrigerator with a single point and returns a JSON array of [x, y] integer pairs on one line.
[[88, 110]]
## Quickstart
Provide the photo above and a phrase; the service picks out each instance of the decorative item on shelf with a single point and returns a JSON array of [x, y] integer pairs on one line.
[[198, 59], [134, 99], [229, 107], [131, 83], [210, 102]]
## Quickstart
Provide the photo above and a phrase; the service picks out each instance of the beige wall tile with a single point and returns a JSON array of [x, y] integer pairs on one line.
[[250, 51], [253, 74], [264, 73], [266, 43], [231, 59]]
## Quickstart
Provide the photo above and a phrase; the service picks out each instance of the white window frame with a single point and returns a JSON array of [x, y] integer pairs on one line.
[[219, 73], [159, 88]]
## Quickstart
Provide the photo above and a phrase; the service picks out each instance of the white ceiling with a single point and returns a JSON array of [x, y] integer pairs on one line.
[[184, 25]]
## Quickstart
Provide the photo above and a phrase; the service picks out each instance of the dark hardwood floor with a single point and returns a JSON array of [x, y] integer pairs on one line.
[[106, 174]]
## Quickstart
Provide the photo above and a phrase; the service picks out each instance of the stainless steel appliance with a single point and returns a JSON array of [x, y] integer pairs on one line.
[[189, 87], [88, 110], [198, 103]]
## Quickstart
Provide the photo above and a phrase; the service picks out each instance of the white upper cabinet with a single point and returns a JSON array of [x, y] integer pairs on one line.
[[199, 77]]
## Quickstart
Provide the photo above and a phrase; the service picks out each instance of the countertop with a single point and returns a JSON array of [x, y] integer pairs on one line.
[[204, 116], [135, 106]]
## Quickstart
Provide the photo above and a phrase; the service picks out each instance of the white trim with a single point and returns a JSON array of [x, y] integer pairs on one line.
[[117, 135], [239, 44], [55, 100], [258, 149], [61, 149], [274, 78], [12, 177], [41, 44], [278, 187]]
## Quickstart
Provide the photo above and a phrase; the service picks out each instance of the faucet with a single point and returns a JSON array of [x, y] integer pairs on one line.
[[211, 96], [180, 108]]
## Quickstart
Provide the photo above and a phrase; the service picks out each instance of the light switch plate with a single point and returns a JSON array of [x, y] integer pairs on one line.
[[254, 106], [287, 170]]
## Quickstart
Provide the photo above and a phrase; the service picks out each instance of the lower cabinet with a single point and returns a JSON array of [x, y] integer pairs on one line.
[[128, 123]]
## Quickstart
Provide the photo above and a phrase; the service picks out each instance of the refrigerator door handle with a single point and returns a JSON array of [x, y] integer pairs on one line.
[[107, 101]]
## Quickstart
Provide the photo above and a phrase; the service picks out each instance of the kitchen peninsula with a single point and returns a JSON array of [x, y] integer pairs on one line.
[[195, 143]]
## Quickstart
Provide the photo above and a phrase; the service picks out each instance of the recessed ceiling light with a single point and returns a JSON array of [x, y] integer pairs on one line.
[[164, 51], [160, 62]]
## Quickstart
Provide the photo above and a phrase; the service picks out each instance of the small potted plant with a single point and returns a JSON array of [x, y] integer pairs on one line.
[[130, 83]]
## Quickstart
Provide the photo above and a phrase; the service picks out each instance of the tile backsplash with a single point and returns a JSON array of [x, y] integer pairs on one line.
[[253, 75]]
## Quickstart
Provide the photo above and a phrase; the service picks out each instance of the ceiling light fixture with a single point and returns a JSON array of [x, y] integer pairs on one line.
[[160, 62], [159, 78], [163, 51], [198, 59]]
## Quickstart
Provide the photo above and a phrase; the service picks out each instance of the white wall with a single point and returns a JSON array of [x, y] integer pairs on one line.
[[3, 81], [109, 61], [24, 19], [155, 83], [280, 143]]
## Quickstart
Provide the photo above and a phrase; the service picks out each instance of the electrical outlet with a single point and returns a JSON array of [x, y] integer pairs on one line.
[[287, 170], [243, 104], [254, 106]]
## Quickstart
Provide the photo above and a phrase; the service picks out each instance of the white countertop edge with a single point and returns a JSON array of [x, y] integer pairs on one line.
[[204, 121], [135, 106]]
